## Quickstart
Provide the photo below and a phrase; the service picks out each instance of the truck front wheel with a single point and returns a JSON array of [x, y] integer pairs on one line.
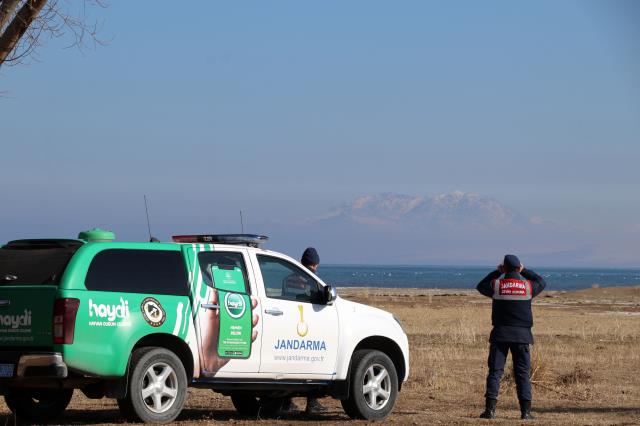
[[157, 386], [373, 386], [38, 405]]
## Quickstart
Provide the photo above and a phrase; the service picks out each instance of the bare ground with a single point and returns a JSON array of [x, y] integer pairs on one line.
[[585, 364]]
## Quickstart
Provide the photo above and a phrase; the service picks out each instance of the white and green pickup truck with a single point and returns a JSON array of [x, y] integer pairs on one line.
[[141, 322]]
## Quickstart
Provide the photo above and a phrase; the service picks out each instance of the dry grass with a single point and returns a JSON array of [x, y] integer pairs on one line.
[[582, 366], [585, 363]]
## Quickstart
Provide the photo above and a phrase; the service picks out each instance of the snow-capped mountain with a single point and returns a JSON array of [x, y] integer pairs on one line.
[[457, 209], [451, 228]]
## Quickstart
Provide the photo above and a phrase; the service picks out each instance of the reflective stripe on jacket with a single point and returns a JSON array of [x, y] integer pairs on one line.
[[511, 289]]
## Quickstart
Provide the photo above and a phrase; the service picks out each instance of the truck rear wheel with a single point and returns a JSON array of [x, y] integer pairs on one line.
[[373, 386], [38, 405], [157, 386]]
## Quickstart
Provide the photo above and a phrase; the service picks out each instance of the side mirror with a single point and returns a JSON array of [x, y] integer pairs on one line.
[[330, 294]]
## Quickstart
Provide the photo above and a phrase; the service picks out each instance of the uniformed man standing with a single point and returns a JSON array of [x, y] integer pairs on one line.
[[310, 260], [512, 320]]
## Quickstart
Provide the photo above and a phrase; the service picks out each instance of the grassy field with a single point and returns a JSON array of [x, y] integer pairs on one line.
[[585, 363]]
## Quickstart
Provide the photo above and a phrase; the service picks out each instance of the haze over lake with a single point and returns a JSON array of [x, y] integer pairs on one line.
[[467, 276]]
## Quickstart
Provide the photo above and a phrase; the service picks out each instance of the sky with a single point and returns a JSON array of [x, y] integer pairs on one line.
[[287, 109]]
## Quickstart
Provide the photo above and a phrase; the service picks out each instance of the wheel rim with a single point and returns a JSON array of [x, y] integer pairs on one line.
[[159, 387], [376, 387]]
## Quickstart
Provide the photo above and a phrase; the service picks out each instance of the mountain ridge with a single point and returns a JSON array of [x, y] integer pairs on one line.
[[453, 209]]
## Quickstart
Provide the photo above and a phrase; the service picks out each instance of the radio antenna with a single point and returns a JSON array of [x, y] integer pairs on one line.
[[241, 223], [146, 209]]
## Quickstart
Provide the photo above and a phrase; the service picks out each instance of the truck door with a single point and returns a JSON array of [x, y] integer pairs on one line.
[[300, 334], [224, 303]]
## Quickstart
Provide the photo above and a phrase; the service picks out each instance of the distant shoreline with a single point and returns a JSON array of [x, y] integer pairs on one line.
[[477, 266], [460, 291]]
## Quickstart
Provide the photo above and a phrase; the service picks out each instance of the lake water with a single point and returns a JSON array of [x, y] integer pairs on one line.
[[466, 277]]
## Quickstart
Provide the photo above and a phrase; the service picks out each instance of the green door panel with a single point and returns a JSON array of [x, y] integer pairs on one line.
[[108, 326]]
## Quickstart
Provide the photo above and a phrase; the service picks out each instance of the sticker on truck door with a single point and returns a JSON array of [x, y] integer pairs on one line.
[[234, 339], [227, 315]]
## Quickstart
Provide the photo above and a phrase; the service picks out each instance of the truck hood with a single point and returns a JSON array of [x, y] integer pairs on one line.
[[350, 308]]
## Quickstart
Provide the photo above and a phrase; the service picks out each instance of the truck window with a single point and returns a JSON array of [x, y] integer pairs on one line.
[[138, 271], [223, 260], [284, 280], [34, 262]]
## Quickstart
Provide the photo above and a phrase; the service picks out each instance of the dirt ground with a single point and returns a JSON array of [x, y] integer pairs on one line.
[[585, 364]]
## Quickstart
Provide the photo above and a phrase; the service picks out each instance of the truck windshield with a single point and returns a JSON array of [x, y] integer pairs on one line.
[[35, 261]]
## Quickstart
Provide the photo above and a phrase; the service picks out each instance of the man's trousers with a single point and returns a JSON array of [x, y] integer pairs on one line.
[[521, 365]]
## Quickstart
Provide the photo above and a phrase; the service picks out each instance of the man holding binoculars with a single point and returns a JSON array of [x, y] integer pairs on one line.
[[512, 320]]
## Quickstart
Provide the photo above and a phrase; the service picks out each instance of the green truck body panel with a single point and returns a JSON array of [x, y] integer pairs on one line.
[[108, 324]]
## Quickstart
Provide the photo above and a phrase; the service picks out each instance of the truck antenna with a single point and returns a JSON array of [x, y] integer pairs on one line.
[[146, 209], [241, 223]]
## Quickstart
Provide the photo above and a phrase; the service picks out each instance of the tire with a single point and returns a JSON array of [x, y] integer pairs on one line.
[[38, 405], [157, 386], [373, 386], [251, 406]]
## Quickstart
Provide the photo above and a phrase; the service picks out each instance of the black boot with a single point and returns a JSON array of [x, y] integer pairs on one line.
[[489, 409], [314, 407], [525, 410]]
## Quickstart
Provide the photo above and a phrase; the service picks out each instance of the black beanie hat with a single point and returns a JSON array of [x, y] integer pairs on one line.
[[310, 257], [511, 262]]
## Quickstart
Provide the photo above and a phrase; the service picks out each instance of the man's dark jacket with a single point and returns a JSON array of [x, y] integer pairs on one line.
[[511, 314]]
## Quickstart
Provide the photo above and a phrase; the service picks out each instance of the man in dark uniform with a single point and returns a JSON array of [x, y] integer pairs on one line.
[[311, 261], [512, 320]]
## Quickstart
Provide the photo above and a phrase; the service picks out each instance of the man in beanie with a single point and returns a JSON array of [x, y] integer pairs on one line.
[[309, 260], [512, 320]]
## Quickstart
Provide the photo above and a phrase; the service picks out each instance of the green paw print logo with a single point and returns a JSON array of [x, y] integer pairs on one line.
[[302, 328]]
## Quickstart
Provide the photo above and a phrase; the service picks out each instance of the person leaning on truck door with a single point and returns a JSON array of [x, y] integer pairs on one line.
[[309, 260], [512, 320]]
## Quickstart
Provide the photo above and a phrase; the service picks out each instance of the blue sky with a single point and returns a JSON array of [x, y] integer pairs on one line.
[[287, 109]]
